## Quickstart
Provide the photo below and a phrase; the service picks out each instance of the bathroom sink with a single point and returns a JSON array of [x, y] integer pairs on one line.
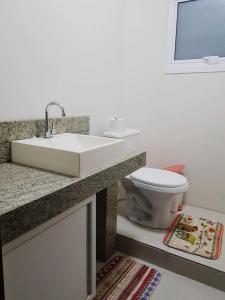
[[69, 153]]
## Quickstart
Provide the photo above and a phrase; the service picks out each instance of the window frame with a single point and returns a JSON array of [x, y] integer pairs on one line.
[[206, 64]]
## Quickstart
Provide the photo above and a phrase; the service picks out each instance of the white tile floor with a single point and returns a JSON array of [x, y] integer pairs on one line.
[[154, 237], [173, 286]]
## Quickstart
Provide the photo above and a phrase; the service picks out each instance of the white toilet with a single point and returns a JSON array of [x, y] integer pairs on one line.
[[151, 194]]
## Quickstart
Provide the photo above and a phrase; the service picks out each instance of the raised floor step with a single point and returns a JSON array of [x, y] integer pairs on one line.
[[147, 244]]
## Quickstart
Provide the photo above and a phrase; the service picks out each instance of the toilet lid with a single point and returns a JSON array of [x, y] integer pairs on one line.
[[158, 177]]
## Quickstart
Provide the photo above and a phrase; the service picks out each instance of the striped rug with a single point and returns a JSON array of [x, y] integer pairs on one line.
[[123, 279]]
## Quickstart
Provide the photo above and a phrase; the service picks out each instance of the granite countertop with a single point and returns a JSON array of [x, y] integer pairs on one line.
[[21, 185], [29, 196]]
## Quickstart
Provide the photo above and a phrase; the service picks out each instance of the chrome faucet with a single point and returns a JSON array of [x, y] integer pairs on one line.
[[49, 132]]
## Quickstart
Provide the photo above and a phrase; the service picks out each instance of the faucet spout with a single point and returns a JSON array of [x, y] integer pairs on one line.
[[49, 131]]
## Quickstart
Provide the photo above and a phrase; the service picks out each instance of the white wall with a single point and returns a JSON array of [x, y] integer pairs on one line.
[[60, 49], [105, 58], [182, 117]]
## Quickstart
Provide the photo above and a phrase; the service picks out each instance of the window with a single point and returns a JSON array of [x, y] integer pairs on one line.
[[196, 36]]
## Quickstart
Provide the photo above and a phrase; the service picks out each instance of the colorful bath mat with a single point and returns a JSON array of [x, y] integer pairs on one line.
[[122, 279], [197, 236]]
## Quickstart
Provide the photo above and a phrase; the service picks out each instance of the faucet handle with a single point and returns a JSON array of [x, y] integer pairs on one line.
[[52, 130], [48, 134]]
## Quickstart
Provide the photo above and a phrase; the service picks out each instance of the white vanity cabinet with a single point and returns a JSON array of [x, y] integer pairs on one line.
[[55, 261]]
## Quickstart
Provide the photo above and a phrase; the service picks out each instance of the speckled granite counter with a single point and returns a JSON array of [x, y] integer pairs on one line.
[[29, 197]]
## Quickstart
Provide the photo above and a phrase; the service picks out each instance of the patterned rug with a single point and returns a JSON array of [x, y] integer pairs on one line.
[[122, 279], [197, 236]]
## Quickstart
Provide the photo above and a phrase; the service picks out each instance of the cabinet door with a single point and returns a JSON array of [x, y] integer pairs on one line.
[[54, 264]]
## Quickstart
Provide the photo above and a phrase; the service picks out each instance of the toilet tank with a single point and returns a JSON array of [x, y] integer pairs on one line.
[[131, 137]]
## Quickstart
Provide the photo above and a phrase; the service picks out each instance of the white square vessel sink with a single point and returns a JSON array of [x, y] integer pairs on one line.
[[69, 153]]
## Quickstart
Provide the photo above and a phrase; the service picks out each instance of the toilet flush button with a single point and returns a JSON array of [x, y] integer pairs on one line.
[[159, 177]]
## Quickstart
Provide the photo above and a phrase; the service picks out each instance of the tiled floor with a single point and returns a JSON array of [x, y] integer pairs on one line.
[[173, 286], [154, 237]]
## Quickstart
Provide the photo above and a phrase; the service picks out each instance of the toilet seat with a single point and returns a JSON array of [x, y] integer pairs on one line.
[[159, 180], [160, 189]]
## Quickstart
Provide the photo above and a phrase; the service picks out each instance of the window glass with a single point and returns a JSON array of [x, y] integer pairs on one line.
[[200, 29]]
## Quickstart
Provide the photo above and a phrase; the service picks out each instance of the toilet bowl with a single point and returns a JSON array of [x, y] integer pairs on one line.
[[151, 193]]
